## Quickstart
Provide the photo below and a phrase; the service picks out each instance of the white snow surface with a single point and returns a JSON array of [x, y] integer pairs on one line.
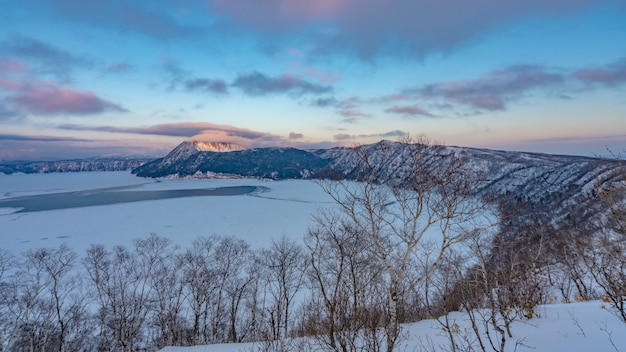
[[574, 327], [283, 208]]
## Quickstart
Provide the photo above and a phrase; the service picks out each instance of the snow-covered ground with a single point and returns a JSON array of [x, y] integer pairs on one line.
[[574, 327], [284, 207]]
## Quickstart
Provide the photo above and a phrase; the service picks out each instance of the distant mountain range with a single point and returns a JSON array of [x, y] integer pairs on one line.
[[73, 165]]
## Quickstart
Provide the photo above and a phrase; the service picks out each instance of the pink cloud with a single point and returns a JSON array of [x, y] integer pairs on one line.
[[343, 137], [10, 65], [322, 76], [119, 67], [50, 100], [10, 85], [278, 14], [351, 114], [390, 98], [201, 131]]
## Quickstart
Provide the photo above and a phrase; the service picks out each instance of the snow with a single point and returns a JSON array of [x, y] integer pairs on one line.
[[282, 207], [579, 326], [574, 327]]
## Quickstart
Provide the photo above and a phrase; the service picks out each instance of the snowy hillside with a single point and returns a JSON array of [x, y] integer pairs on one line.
[[574, 327]]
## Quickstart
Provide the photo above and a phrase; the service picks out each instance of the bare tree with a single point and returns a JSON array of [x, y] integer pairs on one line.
[[237, 273], [346, 309], [218, 275], [30, 308], [608, 262], [284, 267], [200, 280], [122, 287], [7, 265], [410, 222], [66, 297], [166, 280]]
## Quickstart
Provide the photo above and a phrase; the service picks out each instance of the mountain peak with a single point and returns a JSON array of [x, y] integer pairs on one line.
[[189, 149], [217, 147]]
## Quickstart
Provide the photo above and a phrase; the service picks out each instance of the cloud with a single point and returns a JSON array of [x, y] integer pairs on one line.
[[412, 110], [47, 59], [322, 76], [217, 86], [324, 102], [6, 113], [19, 137], [51, 100], [610, 75], [172, 67], [207, 132], [179, 77], [119, 67], [369, 27], [12, 66], [293, 135], [350, 109], [259, 84], [343, 137], [162, 20], [346, 137], [41, 147], [390, 98], [252, 84], [395, 133], [152, 23], [493, 90], [183, 129], [351, 114]]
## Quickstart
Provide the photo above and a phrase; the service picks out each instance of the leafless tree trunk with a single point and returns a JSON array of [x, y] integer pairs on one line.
[[200, 279], [607, 263], [284, 267], [348, 313], [123, 290]]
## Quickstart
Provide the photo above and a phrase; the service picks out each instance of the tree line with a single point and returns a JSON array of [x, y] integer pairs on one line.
[[387, 254]]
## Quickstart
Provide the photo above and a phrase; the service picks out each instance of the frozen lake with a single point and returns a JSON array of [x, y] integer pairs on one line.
[[117, 207], [111, 196]]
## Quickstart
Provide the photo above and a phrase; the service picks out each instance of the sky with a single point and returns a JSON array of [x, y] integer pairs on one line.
[[83, 78]]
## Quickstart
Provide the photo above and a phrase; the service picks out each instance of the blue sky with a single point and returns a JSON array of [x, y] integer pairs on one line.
[[83, 78]]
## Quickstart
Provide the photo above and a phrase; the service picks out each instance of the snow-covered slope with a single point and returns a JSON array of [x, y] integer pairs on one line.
[[573, 327]]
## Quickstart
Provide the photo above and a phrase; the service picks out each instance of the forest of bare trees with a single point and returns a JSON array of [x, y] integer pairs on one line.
[[388, 253]]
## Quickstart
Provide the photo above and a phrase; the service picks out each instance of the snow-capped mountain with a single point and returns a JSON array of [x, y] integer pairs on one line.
[[190, 158], [188, 148], [218, 147], [541, 178]]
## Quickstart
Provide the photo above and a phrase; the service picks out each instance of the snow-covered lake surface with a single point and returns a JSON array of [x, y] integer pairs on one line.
[[274, 209]]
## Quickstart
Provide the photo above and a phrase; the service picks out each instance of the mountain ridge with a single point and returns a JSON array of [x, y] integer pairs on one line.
[[561, 180]]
